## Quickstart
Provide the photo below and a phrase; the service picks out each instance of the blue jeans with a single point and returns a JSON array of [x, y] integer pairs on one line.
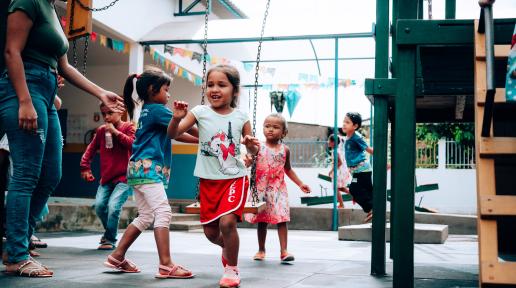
[[108, 204], [36, 156]]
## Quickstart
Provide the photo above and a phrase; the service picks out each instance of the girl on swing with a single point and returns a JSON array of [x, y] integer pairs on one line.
[[273, 162], [223, 176]]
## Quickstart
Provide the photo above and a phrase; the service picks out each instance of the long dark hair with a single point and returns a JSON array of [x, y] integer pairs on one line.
[[147, 84], [233, 77]]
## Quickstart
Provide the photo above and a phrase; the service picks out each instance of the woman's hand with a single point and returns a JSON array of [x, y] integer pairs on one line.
[[27, 116], [113, 101]]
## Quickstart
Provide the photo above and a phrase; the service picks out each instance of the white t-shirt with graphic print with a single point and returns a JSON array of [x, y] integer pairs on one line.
[[218, 156]]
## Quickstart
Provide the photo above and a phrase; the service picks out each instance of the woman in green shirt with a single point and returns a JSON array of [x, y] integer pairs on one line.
[[35, 51]]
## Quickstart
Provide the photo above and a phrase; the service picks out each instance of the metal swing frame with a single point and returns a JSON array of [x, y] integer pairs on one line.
[[254, 206]]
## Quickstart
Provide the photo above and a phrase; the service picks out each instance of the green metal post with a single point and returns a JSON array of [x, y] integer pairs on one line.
[[450, 9], [420, 9], [380, 141], [392, 246], [403, 268], [335, 222]]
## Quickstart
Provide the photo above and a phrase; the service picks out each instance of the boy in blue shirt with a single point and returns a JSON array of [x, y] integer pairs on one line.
[[361, 187]]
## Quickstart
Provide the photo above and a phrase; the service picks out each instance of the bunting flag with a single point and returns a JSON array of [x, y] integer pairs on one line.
[[172, 67]]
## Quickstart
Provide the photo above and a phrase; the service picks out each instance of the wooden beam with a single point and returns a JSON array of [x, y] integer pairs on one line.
[[499, 96], [499, 205], [501, 51], [494, 272], [497, 146]]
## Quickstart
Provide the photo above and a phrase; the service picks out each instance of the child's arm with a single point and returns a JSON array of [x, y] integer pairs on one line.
[[251, 143], [182, 120], [187, 138], [127, 138], [87, 157], [369, 150], [292, 175]]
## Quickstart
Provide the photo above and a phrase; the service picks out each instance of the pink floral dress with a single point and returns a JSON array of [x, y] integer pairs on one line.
[[271, 186]]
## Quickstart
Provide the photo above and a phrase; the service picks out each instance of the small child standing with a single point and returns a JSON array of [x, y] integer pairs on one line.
[[273, 162], [223, 176], [154, 148], [343, 175], [361, 187], [114, 140]]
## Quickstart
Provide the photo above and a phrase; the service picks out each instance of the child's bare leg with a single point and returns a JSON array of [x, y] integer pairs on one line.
[[283, 235], [212, 232], [228, 228], [161, 234], [262, 235], [339, 198], [130, 235]]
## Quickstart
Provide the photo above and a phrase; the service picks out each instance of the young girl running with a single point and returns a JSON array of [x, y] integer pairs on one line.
[[223, 181], [153, 147], [273, 162], [343, 175]]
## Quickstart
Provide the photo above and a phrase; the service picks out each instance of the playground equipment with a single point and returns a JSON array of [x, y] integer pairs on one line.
[[495, 151], [327, 199], [432, 70]]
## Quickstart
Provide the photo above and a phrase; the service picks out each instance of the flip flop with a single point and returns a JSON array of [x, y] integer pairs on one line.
[[118, 265], [36, 242], [171, 272], [259, 256]]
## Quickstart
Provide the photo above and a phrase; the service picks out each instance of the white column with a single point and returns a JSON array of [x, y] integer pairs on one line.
[[441, 146], [136, 66]]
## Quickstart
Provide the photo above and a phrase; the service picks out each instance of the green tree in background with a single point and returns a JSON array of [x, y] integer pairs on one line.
[[430, 133]]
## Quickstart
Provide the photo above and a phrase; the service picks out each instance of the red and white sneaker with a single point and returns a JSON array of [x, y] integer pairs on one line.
[[230, 279]]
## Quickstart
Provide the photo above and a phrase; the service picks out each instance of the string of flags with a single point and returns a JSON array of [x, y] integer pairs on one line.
[[305, 80], [177, 70]]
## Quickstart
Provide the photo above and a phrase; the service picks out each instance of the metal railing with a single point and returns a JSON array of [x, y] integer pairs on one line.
[[426, 155], [308, 153], [459, 156], [314, 154]]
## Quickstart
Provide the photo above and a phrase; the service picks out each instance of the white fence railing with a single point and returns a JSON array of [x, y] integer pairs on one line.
[[314, 153]]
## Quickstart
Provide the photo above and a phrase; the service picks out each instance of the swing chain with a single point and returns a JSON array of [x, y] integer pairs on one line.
[[85, 57], [203, 85], [254, 191], [96, 9], [205, 51]]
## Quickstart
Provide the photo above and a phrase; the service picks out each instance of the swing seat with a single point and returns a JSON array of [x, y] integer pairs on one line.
[[252, 208], [317, 200]]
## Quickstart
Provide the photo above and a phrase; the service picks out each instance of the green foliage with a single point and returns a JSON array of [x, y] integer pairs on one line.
[[430, 133]]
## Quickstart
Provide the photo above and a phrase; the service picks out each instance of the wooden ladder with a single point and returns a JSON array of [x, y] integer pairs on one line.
[[491, 206]]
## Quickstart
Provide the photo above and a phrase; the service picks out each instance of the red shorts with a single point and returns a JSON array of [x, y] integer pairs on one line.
[[222, 197]]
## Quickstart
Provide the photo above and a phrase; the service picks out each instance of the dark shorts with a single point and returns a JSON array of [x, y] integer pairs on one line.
[[361, 189]]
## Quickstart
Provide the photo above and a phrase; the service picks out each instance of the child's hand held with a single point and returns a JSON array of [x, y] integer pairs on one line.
[[305, 188], [180, 109]]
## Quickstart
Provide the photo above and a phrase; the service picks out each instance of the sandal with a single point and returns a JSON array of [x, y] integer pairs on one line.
[[34, 253], [286, 257], [31, 269], [172, 272], [259, 256], [37, 243], [113, 263], [106, 246]]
